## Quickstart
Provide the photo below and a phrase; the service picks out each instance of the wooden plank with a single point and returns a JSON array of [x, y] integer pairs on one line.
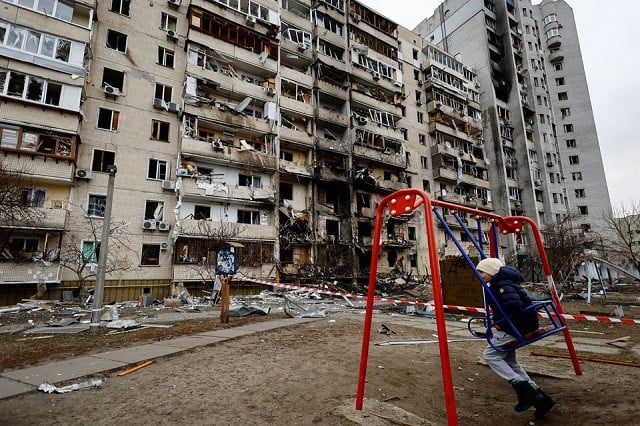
[[136, 368], [587, 358]]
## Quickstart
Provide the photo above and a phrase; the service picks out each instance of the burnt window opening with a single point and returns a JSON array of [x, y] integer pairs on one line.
[[102, 159], [113, 78]]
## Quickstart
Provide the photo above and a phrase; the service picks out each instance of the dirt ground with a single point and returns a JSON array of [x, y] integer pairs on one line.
[[307, 374]]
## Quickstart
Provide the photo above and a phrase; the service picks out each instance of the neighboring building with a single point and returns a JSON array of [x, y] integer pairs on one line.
[[277, 127], [536, 108]]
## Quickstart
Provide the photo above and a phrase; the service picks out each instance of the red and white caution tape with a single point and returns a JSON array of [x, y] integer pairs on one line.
[[450, 307]]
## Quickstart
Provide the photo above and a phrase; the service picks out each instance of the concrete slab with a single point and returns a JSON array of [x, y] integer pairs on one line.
[[189, 342], [138, 353], [10, 388], [58, 372]]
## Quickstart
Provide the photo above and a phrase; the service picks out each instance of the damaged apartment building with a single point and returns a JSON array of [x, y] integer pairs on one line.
[[276, 127]]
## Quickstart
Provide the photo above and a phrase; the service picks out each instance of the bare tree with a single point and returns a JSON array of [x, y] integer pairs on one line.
[[16, 204], [564, 245], [80, 255], [623, 242]]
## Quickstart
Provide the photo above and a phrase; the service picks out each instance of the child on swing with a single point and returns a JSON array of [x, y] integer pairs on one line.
[[505, 284]]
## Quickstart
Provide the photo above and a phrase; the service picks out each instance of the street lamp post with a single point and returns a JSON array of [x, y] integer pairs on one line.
[[98, 294]]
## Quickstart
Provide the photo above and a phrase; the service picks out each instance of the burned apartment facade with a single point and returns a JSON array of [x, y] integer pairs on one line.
[[538, 123], [274, 126]]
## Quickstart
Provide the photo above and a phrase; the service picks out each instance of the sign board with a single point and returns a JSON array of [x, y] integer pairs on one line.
[[226, 261]]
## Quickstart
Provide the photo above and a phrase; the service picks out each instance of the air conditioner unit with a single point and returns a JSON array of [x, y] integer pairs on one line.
[[168, 184], [164, 245], [83, 174], [302, 47], [271, 91], [537, 182], [217, 145], [376, 75], [173, 107], [251, 20], [420, 82], [158, 103], [357, 17], [149, 224], [174, 3], [110, 90], [182, 172], [362, 120], [172, 35], [163, 226], [419, 102]]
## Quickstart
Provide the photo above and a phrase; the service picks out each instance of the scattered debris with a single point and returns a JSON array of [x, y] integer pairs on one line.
[[49, 388], [587, 358], [24, 339], [295, 310], [243, 310], [136, 368], [123, 323], [385, 330]]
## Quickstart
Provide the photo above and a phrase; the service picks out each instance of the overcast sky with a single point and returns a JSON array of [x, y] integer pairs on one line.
[[609, 32]]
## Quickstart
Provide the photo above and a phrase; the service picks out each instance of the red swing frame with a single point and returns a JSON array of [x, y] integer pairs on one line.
[[406, 201]]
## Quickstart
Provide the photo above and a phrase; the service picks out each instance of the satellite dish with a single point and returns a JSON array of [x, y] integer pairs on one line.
[[243, 105]]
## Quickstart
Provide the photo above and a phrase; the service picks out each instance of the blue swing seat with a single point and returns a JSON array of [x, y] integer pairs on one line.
[[520, 340]]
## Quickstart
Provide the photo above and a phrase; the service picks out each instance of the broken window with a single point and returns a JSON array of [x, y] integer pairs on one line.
[[160, 130], [580, 193], [248, 180], [63, 49], [154, 210], [113, 78], [121, 6], [363, 200], [568, 128], [32, 197], [286, 191], [96, 205], [583, 210], [90, 251], [576, 176], [116, 41], [249, 216], [102, 159], [108, 119], [16, 84], [168, 22], [163, 92], [150, 255], [201, 212], [562, 96], [35, 89], [166, 57], [157, 169], [333, 228]]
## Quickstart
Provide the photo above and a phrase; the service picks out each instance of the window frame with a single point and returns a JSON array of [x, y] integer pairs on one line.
[[113, 120], [99, 203], [166, 57], [158, 130], [119, 35], [149, 256], [158, 165]]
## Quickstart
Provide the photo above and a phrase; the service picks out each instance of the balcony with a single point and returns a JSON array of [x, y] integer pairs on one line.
[[302, 106], [204, 188], [390, 185], [191, 227], [235, 53], [556, 55], [445, 173], [295, 168], [221, 114], [379, 155], [229, 84], [29, 272], [296, 135], [229, 155], [332, 174], [334, 146], [334, 117], [41, 169]]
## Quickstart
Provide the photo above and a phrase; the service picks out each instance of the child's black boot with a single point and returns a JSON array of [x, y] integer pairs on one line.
[[528, 396], [544, 405]]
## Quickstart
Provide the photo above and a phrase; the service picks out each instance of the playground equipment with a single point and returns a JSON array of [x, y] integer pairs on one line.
[[406, 201]]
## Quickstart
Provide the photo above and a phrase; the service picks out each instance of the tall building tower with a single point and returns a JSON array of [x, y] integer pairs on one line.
[[505, 41], [575, 126]]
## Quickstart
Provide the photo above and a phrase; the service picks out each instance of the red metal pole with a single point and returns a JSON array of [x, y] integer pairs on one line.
[[554, 293], [366, 336]]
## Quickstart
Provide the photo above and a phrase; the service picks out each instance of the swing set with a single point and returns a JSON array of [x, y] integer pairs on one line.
[[405, 202]]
